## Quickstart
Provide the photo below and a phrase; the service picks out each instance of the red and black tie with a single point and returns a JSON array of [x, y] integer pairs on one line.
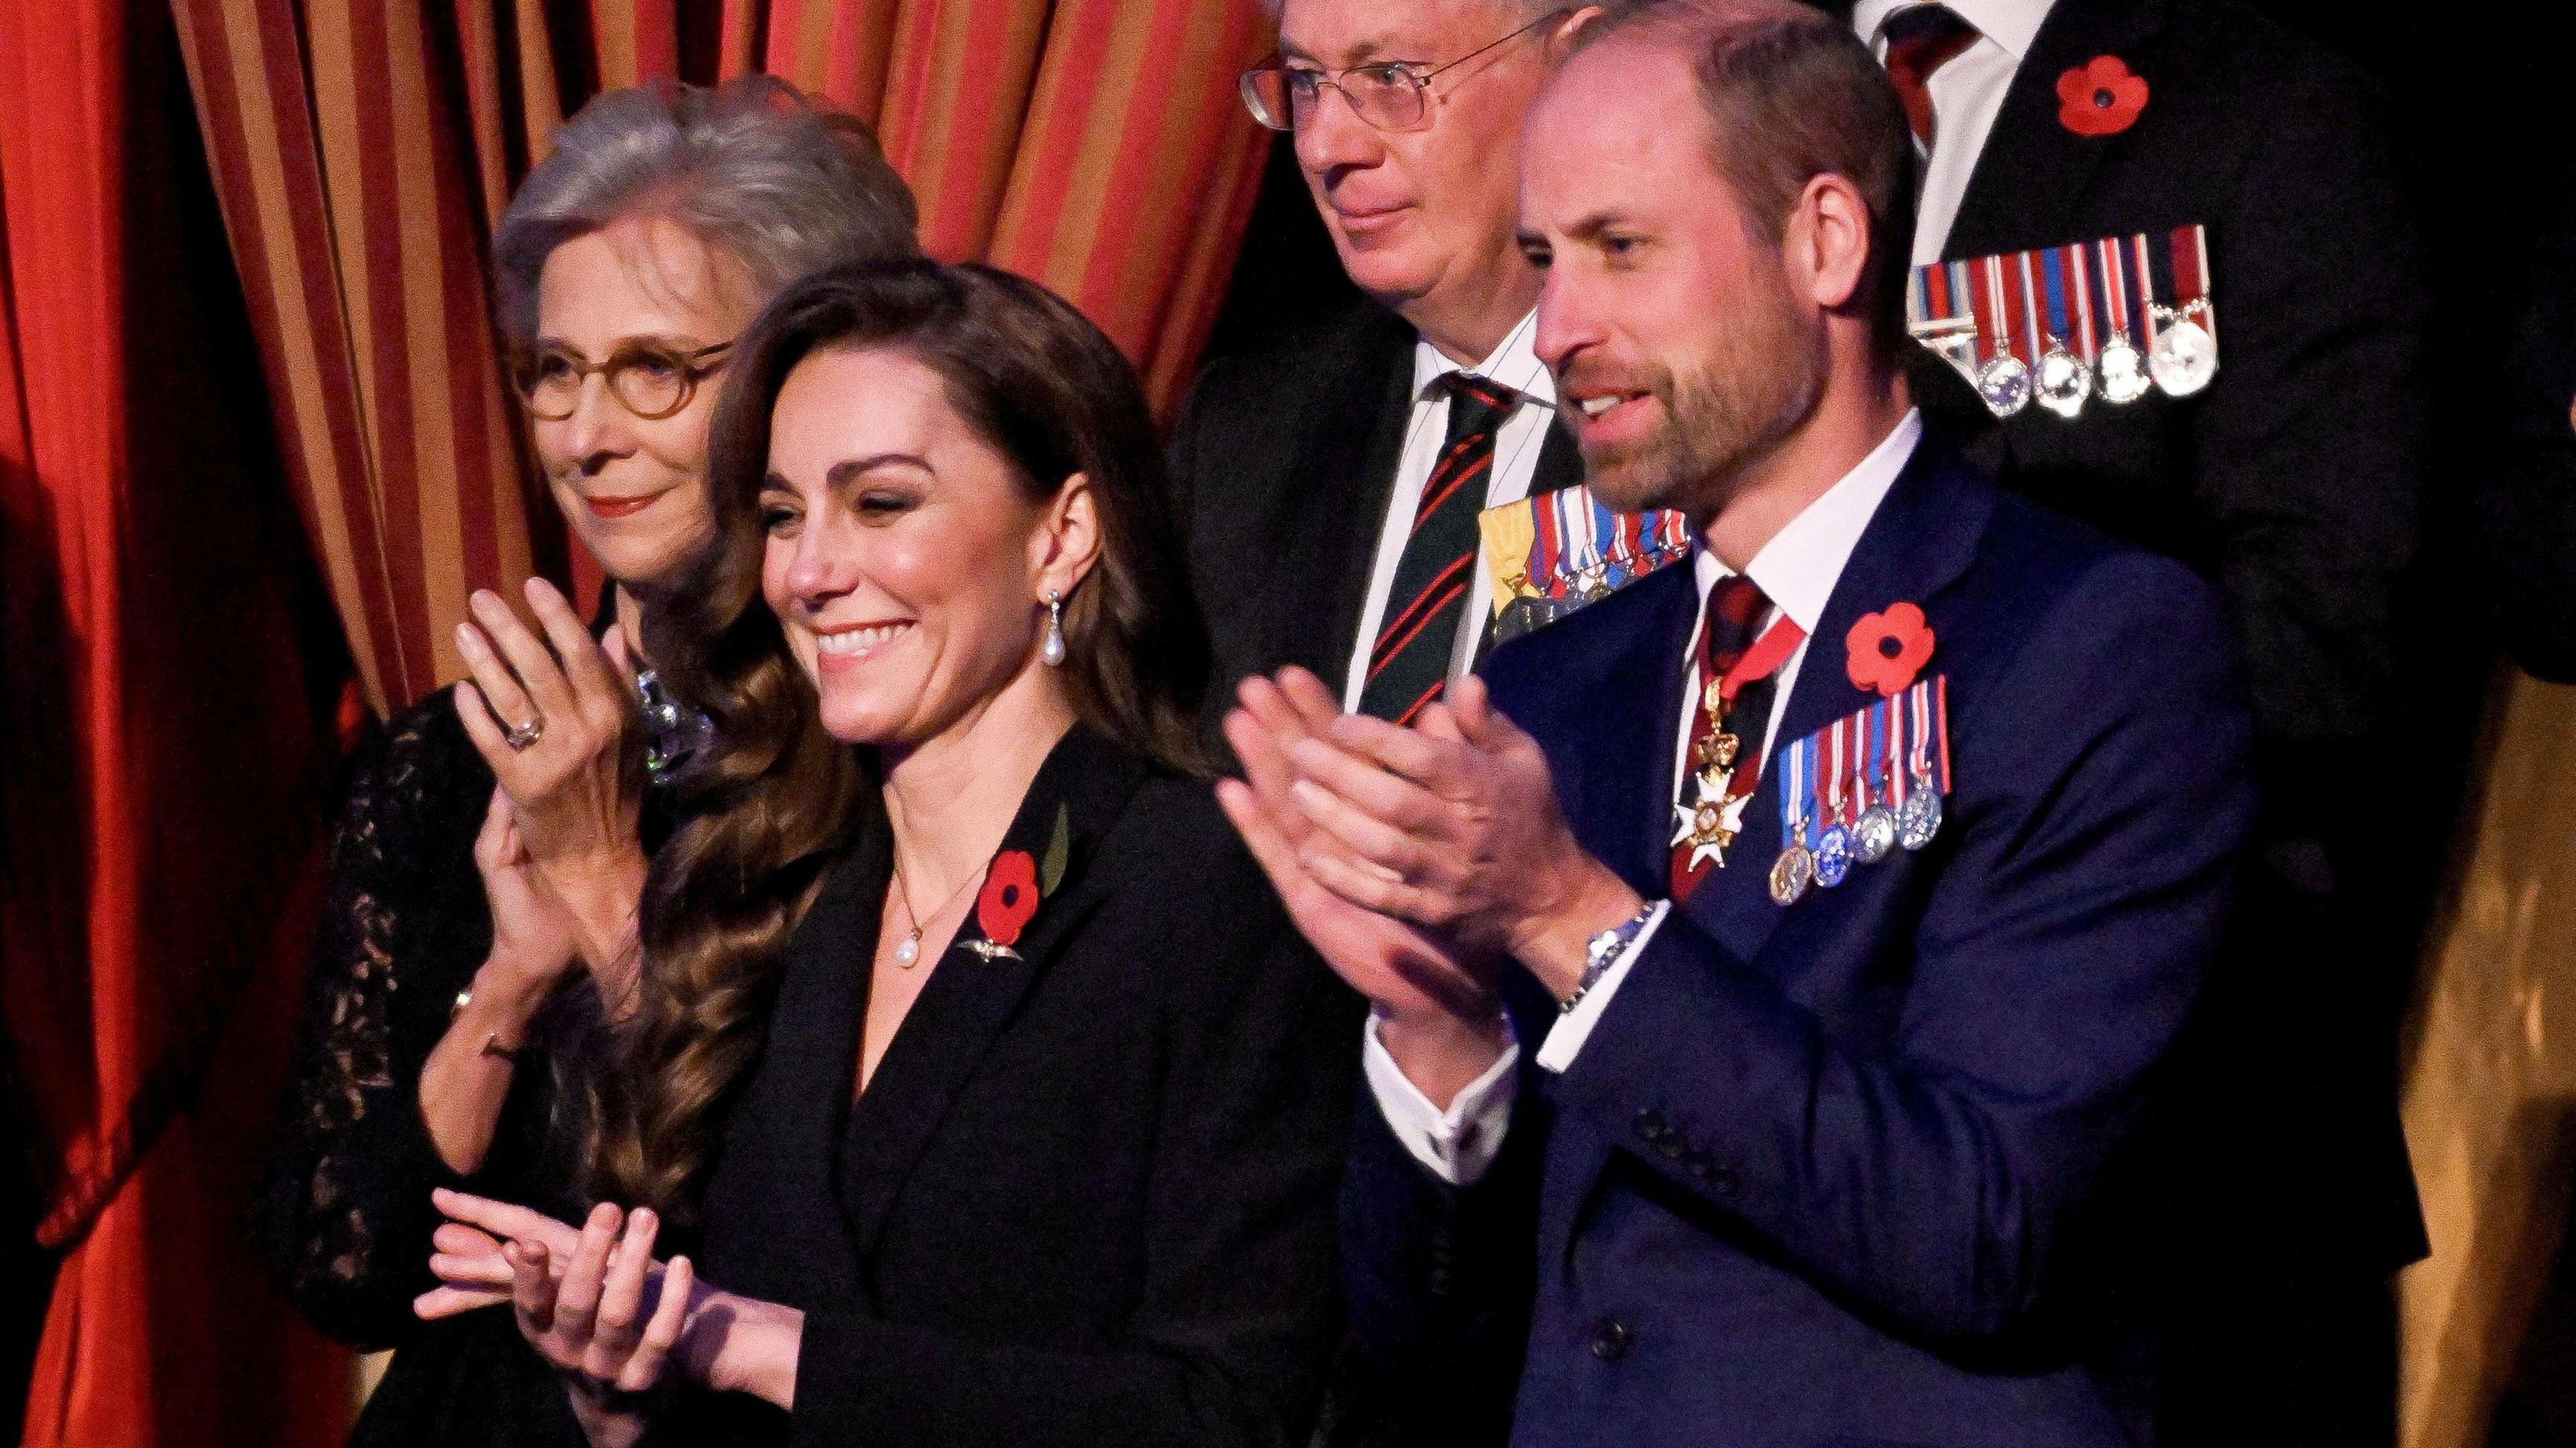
[[1920, 40], [1745, 671], [1409, 663]]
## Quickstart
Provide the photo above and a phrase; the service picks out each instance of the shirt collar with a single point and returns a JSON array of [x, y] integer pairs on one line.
[[1798, 568], [1513, 363], [2010, 24]]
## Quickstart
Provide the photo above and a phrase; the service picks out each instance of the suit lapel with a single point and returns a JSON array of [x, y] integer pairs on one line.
[[2030, 179], [783, 1133], [971, 997], [1919, 542], [1344, 481], [1560, 460]]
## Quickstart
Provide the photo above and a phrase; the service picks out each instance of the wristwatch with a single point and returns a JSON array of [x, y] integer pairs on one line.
[[1601, 950]]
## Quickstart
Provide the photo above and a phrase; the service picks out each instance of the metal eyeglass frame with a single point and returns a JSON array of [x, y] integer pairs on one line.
[[1416, 82]]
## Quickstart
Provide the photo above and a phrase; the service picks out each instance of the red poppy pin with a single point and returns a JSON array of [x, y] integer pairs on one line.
[[1888, 650], [2101, 97], [1009, 898], [1013, 886]]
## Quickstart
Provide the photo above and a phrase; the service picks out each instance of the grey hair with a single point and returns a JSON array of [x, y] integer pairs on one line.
[[1525, 9], [750, 168]]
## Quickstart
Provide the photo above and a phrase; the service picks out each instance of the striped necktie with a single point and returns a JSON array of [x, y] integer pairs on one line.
[[1921, 40], [1409, 663]]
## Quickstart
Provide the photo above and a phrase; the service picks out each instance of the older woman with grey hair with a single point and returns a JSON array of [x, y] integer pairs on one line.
[[485, 874]]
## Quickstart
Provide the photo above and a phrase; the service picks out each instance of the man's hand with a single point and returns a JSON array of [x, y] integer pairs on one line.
[[1454, 826], [1438, 1014]]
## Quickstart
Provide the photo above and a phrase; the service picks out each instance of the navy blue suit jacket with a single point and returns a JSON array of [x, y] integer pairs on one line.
[[1879, 1167]]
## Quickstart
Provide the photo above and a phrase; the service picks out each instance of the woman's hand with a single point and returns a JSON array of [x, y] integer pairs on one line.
[[608, 1321], [580, 1293], [533, 941], [576, 773]]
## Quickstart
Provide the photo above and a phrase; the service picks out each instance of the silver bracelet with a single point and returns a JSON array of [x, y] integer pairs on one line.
[[1602, 950]]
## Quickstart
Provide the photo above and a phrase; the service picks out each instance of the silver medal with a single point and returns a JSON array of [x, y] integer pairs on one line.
[[2063, 381], [2005, 385], [1833, 856], [2185, 356], [1874, 834], [2122, 370], [1919, 818]]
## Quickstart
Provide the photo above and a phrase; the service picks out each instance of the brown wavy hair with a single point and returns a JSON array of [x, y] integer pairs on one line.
[[767, 807]]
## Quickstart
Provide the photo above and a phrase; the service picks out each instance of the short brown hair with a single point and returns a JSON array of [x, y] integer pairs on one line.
[[1792, 95]]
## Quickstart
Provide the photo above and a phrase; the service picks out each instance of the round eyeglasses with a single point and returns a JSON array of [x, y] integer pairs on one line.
[[648, 380], [1390, 95]]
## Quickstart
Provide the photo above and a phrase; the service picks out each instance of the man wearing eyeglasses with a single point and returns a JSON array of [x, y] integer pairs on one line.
[[1331, 481]]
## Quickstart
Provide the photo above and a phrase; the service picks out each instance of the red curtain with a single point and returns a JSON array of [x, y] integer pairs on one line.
[[168, 709], [362, 149]]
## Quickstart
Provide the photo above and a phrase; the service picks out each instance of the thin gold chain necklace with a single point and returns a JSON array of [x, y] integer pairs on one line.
[[907, 951]]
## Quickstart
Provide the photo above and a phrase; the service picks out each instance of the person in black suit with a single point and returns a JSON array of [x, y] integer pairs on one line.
[[976, 1061], [2294, 483], [1302, 466]]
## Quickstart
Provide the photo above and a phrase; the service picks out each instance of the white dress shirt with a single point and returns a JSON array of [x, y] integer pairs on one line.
[[1797, 571], [1966, 94], [1516, 450]]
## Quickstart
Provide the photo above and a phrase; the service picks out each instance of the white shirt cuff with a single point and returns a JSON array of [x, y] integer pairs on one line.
[[1456, 1145], [1567, 1036]]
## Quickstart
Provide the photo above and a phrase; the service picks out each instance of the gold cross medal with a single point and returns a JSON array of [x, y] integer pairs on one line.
[[1708, 822]]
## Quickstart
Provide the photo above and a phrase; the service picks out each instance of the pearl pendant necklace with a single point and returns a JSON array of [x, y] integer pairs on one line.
[[907, 951]]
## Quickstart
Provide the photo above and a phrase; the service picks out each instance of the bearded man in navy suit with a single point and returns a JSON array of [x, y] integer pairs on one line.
[[1778, 966]]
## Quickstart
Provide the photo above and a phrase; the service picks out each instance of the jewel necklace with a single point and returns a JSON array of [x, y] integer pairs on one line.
[[907, 951]]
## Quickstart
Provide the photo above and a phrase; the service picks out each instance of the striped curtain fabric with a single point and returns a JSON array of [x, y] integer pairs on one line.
[[362, 149]]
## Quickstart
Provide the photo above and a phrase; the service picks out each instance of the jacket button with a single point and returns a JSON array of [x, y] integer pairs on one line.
[[1612, 1339], [1721, 1181], [1669, 1146], [1650, 1124]]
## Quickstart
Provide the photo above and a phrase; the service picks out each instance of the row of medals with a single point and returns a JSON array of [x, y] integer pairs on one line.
[[1586, 585], [1866, 841], [2182, 361]]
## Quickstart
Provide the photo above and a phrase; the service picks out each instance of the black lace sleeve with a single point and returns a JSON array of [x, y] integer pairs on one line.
[[345, 1214]]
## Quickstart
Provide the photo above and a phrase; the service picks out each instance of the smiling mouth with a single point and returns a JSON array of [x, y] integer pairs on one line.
[[621, 507], [1595, 407], [857, 643]]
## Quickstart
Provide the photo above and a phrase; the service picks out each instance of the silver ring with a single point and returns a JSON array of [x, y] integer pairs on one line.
[[523, 735]]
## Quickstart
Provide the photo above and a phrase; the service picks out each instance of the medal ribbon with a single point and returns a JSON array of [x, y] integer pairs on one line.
[[1797, 760], [1986, 304], [2191, 274], [1836, 754], [2022, 302], [2146, 293], [1547, 547], [2115, 299], [1876, 782]]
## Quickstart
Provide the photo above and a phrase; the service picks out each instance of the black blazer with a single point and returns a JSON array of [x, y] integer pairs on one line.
[[1283, 464], [1088, 1195], [2293, 483]]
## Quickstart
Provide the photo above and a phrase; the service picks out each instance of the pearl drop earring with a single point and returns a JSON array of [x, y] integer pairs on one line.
[[1051, 652]]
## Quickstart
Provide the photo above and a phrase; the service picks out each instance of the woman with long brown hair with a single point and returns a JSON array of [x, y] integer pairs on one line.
[[976, 1058]]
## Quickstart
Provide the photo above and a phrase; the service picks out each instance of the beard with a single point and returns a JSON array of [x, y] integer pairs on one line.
[[1757, 383]]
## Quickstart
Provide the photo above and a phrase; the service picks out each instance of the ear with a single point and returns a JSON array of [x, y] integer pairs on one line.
[[1828, 241], [1562, 36], [1067, 541]]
